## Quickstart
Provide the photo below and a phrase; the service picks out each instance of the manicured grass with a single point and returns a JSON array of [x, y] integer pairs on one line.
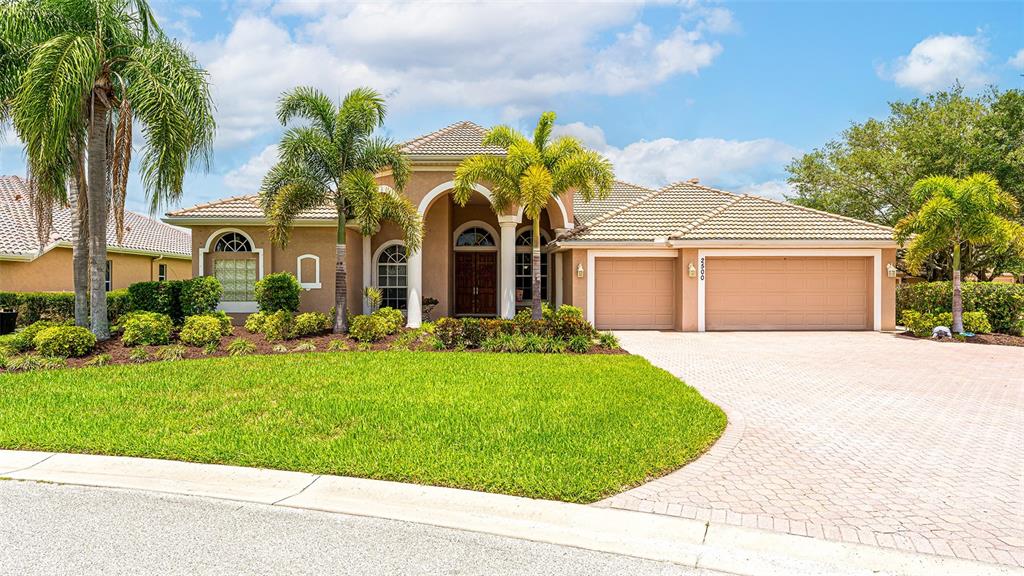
[[575, 428]]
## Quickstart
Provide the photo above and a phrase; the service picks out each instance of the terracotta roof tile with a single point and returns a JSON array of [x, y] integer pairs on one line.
[[622, 193], [459, 139], [18, 230], [243, 208]]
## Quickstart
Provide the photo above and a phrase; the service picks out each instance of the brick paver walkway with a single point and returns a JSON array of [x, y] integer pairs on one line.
[[858, 437]]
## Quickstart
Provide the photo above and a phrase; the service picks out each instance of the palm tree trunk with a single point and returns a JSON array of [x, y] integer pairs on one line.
[[80, 248], [538, 313], [958, 302], [97, 210], [340, 277]]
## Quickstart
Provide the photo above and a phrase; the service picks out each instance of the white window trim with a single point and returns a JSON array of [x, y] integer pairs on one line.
[[376, 269], [591, 272], [545, 238], [315, 284], [874, 253], [232, 307], [476, 224]]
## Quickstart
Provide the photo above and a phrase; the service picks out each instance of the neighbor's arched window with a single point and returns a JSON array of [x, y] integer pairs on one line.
[[475, 237], [237, 274], [391, 276], [524, 261]]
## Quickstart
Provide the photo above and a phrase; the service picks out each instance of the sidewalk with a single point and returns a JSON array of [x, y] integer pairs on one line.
[[682, 541]]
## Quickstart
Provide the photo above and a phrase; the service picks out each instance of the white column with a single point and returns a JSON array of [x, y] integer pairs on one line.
[[507, 265], [559, 277], [414, 294], [367, 271]]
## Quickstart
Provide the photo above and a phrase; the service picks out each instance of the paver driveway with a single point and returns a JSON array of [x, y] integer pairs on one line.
[[858, 436]]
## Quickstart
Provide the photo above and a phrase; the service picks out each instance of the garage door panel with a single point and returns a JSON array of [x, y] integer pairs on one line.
[[635, 293], [798, 293]]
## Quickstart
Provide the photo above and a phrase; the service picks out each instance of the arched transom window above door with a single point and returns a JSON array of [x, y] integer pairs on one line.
[[475, 237]]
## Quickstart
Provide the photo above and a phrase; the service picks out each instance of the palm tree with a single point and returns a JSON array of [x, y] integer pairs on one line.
[[74, 74], [957, 213], [530, 174], [333, 159]]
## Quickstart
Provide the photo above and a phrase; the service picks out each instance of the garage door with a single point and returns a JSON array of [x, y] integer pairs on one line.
[[635, 293], [787, 294]]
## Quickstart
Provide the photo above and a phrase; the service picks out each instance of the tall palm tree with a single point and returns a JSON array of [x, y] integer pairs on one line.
[[957, 213], [531, 173], [332, 159], [74, 74]]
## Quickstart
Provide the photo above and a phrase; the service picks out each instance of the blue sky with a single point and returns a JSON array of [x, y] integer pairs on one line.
[[726, 92]]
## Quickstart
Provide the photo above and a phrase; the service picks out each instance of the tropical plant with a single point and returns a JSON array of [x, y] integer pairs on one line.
[[530, 174], [74, 76], [956, 213], [332, 160]]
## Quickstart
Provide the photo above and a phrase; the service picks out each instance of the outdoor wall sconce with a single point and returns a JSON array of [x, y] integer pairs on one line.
[[891, 270], [692, 270], [579, 270]]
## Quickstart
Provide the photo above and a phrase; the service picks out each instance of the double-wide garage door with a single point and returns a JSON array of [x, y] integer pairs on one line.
[[799, 293], [740, 293]]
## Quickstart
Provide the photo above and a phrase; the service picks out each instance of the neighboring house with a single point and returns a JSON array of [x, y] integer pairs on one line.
[[685, 257], [151, 249]]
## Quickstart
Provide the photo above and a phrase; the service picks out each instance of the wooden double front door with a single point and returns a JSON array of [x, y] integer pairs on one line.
[[476, 283]]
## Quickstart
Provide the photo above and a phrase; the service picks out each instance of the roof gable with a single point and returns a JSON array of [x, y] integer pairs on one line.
[[457, 140], [243, 208], [622, 194]]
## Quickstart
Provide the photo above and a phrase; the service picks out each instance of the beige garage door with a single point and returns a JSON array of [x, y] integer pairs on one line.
[[787, 294], [635, 293]]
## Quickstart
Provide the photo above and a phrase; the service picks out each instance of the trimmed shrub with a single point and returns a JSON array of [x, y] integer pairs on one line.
[[922, 324], [201, 331], [449, 332], [473, 332], [145, 296], [254, 322], [241, 347], [311, 324], [65, 341], [277, 325], [170, 300], [568, 323], [368, 328], [278, 291], [222, 317], [146, 328], [200, 295], [119, 303], [1003, 304], [393, 318], [579, 344], [24, 339], [54, 306]]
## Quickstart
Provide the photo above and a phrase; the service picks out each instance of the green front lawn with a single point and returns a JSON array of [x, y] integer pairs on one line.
[[575, 428]]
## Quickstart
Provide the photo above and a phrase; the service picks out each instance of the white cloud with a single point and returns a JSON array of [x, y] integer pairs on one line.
[[491, 54], [732, 164], [248, 177], [1017, 61], [938, 61], [774, 189]]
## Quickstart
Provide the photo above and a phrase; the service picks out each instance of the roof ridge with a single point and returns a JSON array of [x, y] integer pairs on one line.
[[821, 212], [611, 213], [705, 218], [703, 187], [439, 132]]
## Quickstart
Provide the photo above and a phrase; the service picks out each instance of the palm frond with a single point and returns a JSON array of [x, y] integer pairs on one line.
[[311, 147], [542, 133], [481, 169], [535, 187], [398, 209], [286, 192], [308, 103], [378, 154], [361, 112], [503, 136], [587, 172]]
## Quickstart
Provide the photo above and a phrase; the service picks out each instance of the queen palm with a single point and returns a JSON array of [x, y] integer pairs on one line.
[[74, 75], [332, 159], [530, 174], [957, 213]]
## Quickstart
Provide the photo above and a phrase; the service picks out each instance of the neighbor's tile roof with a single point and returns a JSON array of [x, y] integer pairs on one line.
[[689, 211], [622, 193], [18, 229], [244, 208], [459, 139]]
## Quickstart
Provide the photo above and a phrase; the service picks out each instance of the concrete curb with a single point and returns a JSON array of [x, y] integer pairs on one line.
[[693, 543]]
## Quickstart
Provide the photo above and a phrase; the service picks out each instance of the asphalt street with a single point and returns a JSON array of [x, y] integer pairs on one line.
[[56, 529]]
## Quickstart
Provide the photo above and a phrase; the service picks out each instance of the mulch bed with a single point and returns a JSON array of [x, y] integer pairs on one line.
[[994, 339], [120, 354]]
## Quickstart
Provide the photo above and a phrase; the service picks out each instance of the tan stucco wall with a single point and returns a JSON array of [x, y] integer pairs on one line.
[[688, 290], [888, 291], [52, 272]]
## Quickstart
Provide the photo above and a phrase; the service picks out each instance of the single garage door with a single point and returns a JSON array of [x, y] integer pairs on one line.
[[787, 294], [635, 293]]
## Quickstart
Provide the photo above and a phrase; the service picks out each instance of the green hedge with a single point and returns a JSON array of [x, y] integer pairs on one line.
[[1002, 303], [59, 306], [177, 298]]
